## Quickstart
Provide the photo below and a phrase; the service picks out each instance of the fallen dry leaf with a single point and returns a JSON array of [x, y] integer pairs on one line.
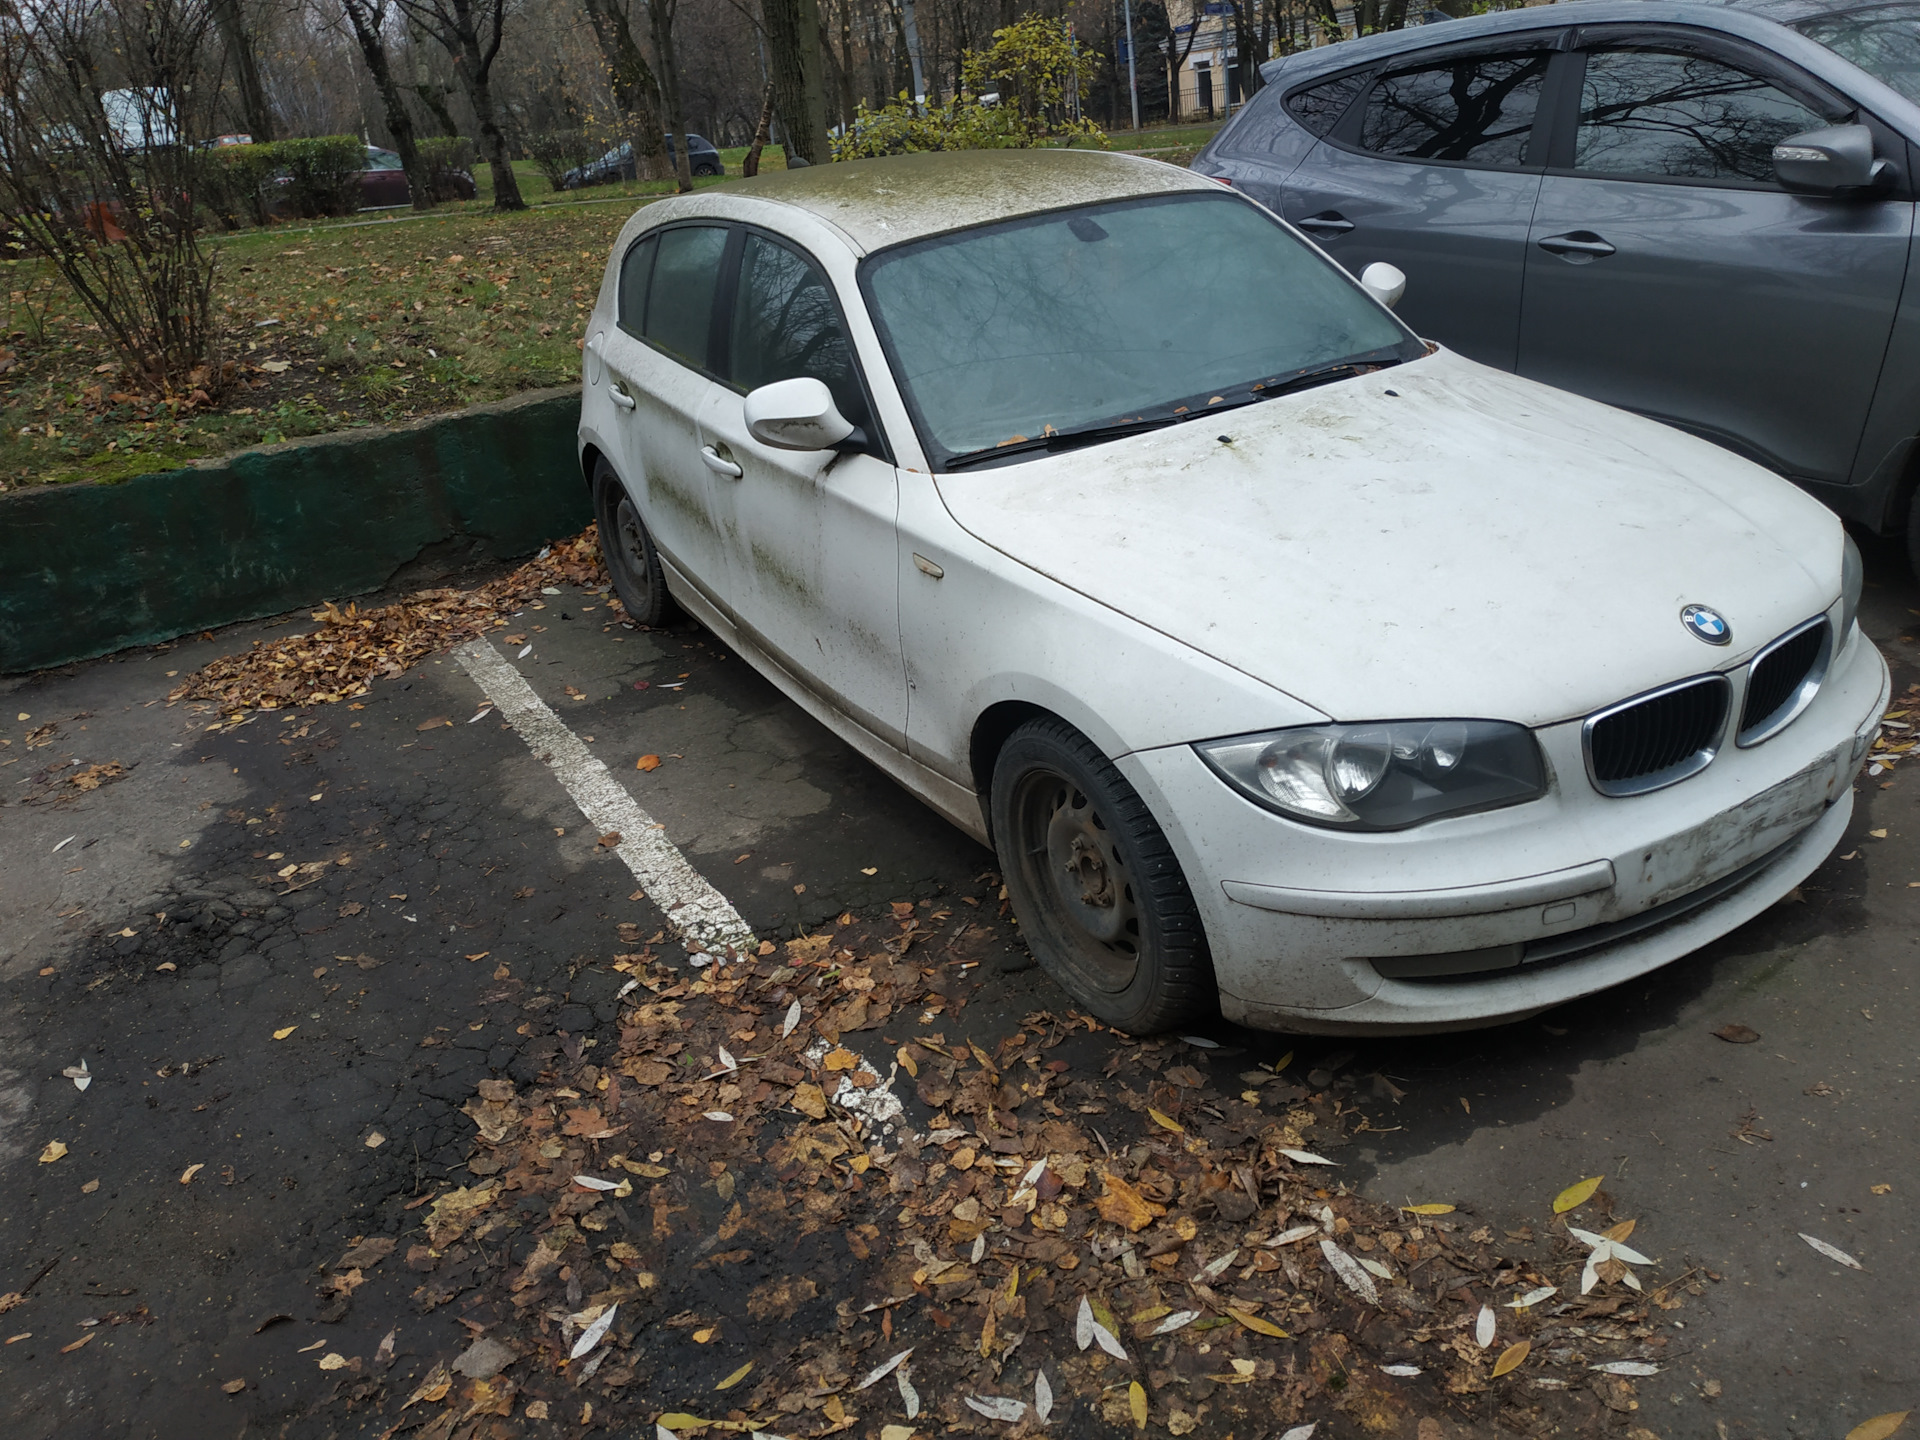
[[186, 1175], [1126, 1206], [1736, 1034], [1880, 1426], [1512, 1356], [1577, 1194], [284, 1031], [647, 762], [69, 1349], [55, 1149]]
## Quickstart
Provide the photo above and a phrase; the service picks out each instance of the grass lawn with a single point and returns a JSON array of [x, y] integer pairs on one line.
[[342, 323]]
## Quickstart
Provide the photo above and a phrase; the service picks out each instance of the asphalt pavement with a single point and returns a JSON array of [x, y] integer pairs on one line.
[[284, 950]]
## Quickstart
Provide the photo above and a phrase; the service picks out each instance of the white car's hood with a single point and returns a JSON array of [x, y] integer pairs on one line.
[[1437, 539]]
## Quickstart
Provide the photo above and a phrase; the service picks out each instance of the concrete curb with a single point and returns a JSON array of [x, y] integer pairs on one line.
[[89, 569]]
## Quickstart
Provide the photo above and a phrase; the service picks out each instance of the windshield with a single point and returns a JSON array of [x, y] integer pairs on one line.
[[1883, 40], [1130, 310]]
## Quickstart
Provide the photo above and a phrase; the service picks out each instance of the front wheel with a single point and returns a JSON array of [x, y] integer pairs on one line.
[[632, 562], [1097, 889]]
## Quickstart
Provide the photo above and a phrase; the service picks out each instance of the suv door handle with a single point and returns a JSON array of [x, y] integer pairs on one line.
[[717, 462], [619, 395], [1327, 222], [1576, 242]]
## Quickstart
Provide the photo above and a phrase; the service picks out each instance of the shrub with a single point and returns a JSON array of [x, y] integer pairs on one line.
[[235, 184], [322, 173], [446, 156], [555, 152]]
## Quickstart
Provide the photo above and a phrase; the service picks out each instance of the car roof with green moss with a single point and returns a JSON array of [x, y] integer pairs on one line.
[[897, 198]]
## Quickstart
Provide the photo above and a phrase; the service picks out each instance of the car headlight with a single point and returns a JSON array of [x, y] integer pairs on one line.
[[1383, 776], [1853, 576]]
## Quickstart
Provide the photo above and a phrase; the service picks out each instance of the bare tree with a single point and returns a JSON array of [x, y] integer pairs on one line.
[[635, 90], [246, 69], [471, 31], [369, 21], [104, 114], [660, 15], [799, 84]]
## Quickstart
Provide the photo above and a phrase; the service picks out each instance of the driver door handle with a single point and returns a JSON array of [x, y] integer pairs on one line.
[[1576, 242], [618, 393], [717, 462], [1327, 222]]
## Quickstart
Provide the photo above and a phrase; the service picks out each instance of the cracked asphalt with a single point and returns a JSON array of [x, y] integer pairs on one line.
[[285, 951]]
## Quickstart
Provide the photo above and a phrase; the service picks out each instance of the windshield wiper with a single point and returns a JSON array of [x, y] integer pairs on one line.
[[1306, 379], [1055, 440]]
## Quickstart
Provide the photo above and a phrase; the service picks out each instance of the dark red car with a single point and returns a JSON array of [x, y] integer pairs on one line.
[[383, 184]]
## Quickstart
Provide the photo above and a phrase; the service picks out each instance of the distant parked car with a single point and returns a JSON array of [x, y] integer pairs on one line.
[[1701, 212], [383, 184], [618, 163]]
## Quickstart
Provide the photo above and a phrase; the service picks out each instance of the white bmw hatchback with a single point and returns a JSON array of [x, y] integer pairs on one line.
[[1289, 663]]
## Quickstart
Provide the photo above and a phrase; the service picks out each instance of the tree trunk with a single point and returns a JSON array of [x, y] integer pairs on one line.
[[793, 38], [635, 90], [366, 21], [660, 18], [253, 96], [751, 165], [493, 142]]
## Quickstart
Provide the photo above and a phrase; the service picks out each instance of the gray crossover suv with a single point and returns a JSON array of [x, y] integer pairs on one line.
[[1701, 212]]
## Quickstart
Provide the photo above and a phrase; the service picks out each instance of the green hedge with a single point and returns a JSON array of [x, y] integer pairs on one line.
[[444, 156], [323, 174]]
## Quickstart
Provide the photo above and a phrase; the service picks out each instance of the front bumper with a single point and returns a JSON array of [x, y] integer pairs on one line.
[[1318, 931]]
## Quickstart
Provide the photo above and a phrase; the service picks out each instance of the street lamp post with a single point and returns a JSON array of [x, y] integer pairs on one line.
[[1133, 85]]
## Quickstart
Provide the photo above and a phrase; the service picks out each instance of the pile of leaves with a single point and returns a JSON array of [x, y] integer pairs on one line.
[[725, 1217], [1896, 738], [351, 648]]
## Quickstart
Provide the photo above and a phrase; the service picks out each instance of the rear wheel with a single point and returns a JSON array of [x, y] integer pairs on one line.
[[1100, 897], [632, 562]]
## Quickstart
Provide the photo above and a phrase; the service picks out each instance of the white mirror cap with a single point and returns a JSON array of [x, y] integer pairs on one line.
[[1385, 283], [796, 414]]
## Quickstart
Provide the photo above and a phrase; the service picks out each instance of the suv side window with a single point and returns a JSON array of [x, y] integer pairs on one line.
[[1671, 113], [635, 271], [786, 324], [686, 272], [1318, 108], [1476, 108]]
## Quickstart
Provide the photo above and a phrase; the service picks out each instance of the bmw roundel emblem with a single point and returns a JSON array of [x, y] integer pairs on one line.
[[1707, 624]]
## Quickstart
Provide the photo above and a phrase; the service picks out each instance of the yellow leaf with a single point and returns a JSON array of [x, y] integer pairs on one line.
[[986, 1333], [186, 1175], [648, 762], [1511, 1357], [55, 1149], [1576, 1195], [1256, 1324], [906, 1062], [1880, 1426], [1165, 1122], [675, 1420], [1152, 1312], [1427, 1209], [1620, 1231], [809, 1099], [735, 1378], [1126, 1206], [1282, 1063], [282, 1034], [1137, 1402]]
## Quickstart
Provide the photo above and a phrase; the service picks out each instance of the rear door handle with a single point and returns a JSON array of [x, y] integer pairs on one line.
[[1327, 222], [1576, 242], [717, 462], [620, 396]]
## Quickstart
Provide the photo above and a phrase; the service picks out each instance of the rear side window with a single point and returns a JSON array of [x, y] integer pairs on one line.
[[686, 271], [1318, 108], [1476, 108], [635, 271], [786, 325], [1669, 113]]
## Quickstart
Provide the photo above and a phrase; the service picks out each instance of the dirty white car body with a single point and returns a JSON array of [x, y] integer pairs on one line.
[[1432, 539]]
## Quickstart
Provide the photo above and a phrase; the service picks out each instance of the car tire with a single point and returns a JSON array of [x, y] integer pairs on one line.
[[1099, 894], [632, 561], [706, 169], [1913, 534]]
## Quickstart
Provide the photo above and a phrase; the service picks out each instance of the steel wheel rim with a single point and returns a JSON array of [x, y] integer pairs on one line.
[[1081, 880], [631, 541]]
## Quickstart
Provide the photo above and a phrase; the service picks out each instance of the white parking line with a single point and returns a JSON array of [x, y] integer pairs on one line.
[[698, 913]]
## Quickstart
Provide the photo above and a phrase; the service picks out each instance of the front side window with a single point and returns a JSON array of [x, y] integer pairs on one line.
[[786, 325], [686, 271], [1682, 115], [1476, 108], [1138, 312]]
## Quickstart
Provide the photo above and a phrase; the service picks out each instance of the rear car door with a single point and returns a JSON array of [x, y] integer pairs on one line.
[[657, 361], [1670, 273], [811, 534], [1434, 168]]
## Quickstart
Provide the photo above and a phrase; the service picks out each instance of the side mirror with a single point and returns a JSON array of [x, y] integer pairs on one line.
[[1385, 283], [1829, 161], [796, 414]]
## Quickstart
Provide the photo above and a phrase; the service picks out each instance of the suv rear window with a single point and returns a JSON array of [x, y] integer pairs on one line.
[[1477, 108], [1318, 108]]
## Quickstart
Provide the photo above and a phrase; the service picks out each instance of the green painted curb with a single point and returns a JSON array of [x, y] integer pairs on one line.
[[89, 569]]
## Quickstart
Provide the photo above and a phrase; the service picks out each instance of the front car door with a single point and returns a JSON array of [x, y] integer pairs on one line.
[[1668, 271], [810, 534], [1434, 168], [657, 361]]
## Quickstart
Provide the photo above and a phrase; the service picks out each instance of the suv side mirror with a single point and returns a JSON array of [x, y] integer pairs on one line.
[[796, 414], [1385, 283], [1830, 161]]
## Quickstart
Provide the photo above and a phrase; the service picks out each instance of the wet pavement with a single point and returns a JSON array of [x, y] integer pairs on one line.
[[291, 950]]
